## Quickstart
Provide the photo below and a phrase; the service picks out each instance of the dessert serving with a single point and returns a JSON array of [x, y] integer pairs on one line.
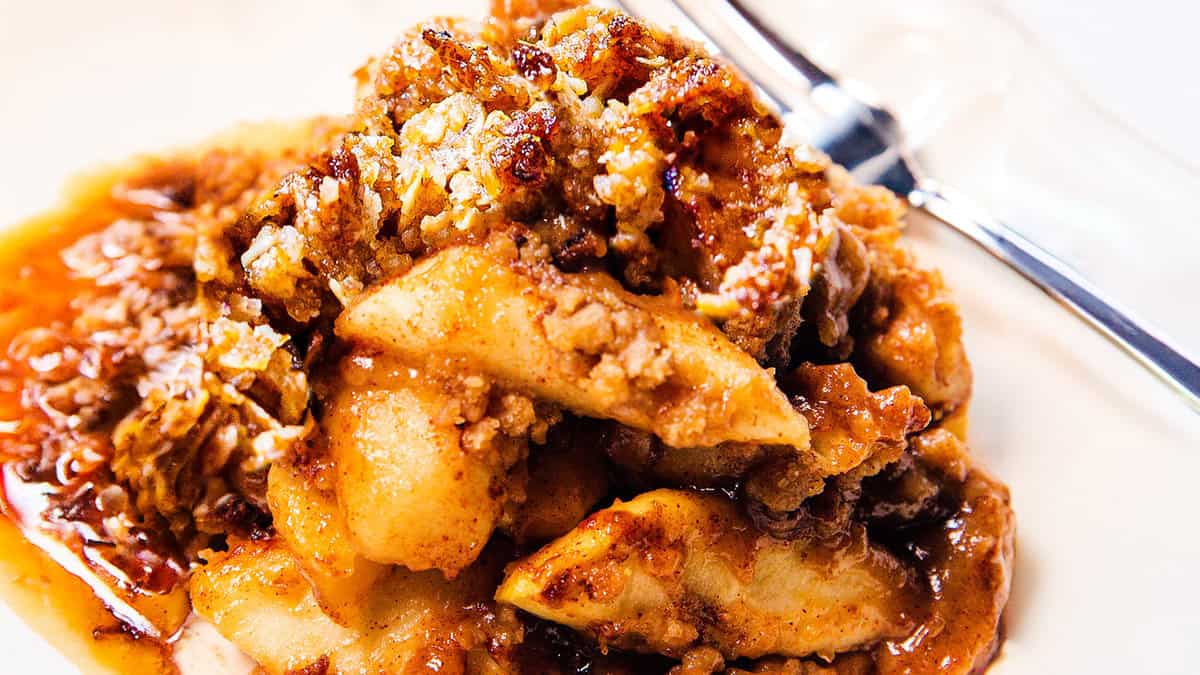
[[553, 357]]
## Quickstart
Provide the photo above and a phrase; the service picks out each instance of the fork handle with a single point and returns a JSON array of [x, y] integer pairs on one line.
[[1065, 285]]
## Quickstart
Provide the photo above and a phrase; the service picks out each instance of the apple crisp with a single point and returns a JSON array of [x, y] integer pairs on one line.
[[553, 357]]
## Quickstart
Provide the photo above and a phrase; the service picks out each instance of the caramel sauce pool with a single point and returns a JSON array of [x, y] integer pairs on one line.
[[74, 600], [62, 607]]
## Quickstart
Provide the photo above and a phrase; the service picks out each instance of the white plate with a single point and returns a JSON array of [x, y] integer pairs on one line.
[[1100, 458]]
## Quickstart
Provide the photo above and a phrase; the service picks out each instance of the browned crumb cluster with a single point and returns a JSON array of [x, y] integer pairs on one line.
[[152, 407], [203, 399]]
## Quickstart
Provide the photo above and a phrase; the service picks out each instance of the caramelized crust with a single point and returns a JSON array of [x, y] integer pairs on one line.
[[851, 423]]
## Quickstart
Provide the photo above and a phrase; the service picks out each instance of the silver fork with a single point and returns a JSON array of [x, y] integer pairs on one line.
[[867, 139]]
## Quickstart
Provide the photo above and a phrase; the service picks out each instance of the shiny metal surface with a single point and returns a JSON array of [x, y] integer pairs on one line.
[[841, 119], [1063, 284]]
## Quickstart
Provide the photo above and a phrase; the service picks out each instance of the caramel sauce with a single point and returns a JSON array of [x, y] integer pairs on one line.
[[58, 581], [64, 607]]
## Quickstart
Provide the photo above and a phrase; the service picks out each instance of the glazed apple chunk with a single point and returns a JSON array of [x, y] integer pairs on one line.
[[672, 570], [580, 341], [310, 523], [422, 468], [258, 598]]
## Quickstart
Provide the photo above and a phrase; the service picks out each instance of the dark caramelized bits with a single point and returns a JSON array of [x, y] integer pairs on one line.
[[534, 65], [557, 650], [836, 287], [521, 160], [903, 494], [474, 68], [521, 156], [825, 516], [236, 515]]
